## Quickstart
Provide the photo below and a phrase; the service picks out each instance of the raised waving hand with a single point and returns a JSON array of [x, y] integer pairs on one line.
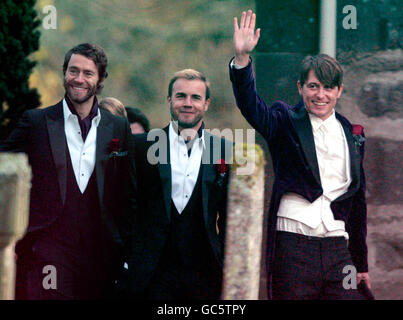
[[245, 38]]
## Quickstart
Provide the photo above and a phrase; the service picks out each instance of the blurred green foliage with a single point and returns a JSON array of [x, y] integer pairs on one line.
[[19, 37], [146, 41]]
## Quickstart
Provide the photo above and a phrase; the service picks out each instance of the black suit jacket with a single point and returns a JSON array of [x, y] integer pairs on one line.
[[40, 134], [151, 213]]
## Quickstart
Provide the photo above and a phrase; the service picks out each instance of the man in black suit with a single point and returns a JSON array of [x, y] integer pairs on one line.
[[78, 157], [177, 240]]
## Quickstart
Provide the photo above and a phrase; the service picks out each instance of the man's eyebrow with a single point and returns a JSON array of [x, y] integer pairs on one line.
[[84, 70]]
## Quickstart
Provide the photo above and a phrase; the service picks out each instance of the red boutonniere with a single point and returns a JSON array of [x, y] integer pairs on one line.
[[358, 129], [114, 147], [222, 167], [357, 132], [222, 170]]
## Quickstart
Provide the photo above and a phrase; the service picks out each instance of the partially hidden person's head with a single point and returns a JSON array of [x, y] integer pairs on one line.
[[84, 71], [188, 98], [138, 120], [320, 84], [114, 106]]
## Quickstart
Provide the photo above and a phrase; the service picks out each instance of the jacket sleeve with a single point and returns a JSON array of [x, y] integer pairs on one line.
[[266, 120], [127, 223], [18, 140], [358, 224]]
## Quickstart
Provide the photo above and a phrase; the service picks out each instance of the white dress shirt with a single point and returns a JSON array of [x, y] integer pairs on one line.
[[82, 153], [184, 168], [298, 215]]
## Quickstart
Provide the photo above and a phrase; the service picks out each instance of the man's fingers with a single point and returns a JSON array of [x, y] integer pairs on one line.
[[253, 22], [248, 19], [257, 36], [364, 277], [236, 28], [243, 18]]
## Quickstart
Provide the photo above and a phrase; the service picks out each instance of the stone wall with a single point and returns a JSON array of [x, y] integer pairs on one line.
[[373, 98]]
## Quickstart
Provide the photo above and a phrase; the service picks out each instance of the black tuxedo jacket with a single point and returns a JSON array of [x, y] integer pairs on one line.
[[40, 134], [151, 213]]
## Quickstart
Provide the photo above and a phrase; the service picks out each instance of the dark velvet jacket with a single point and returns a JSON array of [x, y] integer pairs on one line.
[[288, 133]]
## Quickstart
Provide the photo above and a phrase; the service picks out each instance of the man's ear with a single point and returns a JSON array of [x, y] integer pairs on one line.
[[299, 87], [169, 99], [100, 86], [340, 91], [206, 104]]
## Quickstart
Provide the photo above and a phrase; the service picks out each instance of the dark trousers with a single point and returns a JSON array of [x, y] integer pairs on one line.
[[175, 282], [78, 277], [311, 268]]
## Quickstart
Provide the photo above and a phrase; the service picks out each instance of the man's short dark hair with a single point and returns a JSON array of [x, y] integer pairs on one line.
[[135, 115], [189, 74], [93, 52], [327, 69]]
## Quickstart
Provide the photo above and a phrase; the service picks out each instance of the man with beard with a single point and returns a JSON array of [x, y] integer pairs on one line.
[[176, 246], [78, 157]]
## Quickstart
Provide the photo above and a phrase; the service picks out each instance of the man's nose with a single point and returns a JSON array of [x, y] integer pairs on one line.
[[80, 77], [188, 101], [321, 93]]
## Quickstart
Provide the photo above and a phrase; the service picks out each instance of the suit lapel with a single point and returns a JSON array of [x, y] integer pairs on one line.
[[303, 127], [208, 167], [104, 136], [58, 145], [354, 159], [165, 175]]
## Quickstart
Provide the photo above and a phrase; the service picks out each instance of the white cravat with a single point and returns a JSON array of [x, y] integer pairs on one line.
[[184, 168], [296, 214], [82, 153]]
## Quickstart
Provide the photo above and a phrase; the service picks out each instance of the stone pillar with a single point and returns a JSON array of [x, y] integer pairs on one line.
[[244, 225], [15, 184]]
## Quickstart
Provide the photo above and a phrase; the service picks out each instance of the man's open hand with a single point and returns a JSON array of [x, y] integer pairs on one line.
[[245, 38]]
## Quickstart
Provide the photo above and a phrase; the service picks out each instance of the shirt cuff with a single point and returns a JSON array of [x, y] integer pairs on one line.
[[237, 66]]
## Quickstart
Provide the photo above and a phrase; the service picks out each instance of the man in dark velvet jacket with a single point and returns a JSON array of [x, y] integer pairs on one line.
[[79, 168], [318, 199]]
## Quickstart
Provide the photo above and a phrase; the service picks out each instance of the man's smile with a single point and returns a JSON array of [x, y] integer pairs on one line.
[[80, 89], [320, 104]]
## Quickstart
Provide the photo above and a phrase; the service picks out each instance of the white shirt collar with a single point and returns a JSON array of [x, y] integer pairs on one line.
[[68, 115], [173, 134], [317, 122]]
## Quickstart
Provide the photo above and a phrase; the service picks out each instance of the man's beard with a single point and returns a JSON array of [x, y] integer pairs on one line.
[[91, 92], [185, 125]]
